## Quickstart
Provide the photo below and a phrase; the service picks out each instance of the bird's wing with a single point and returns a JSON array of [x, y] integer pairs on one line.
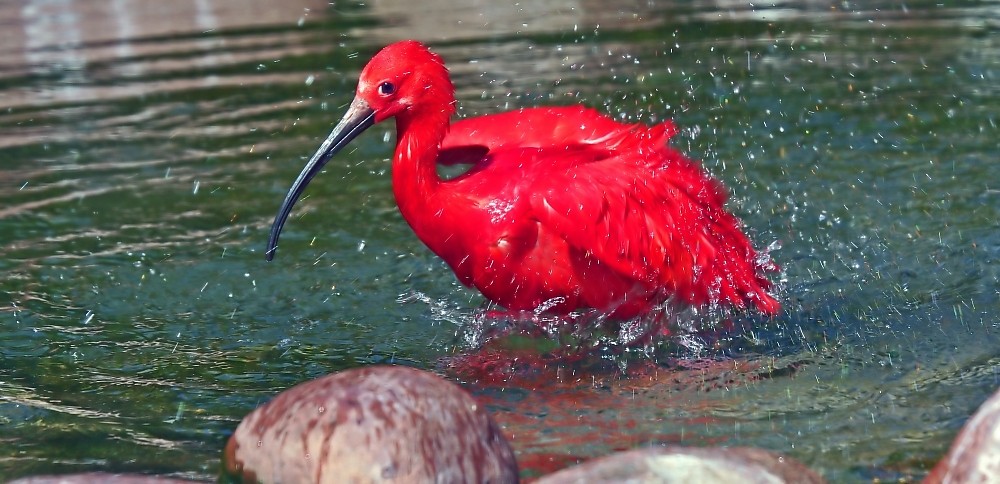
[[470, 140], [616, 192], [657, 218]]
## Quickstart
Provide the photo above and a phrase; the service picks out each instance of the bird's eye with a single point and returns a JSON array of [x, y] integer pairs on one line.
[[386, 88]]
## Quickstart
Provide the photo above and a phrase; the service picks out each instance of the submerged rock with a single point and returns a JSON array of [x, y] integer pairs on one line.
[[688, 464], [373, 424], [975, 454]]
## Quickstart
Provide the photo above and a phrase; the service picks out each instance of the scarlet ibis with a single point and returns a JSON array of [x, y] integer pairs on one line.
[[562, 207]]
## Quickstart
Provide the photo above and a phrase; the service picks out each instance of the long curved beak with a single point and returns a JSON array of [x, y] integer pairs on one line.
[[358, 118]]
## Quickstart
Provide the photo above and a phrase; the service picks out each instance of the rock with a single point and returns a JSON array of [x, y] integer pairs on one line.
[[98, 477], [688, 464], [373, 424], [975, 454]]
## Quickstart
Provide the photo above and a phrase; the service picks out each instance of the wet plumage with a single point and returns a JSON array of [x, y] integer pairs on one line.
[[561, 206]]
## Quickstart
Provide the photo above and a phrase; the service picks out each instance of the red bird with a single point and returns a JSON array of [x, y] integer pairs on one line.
[[562, 208]]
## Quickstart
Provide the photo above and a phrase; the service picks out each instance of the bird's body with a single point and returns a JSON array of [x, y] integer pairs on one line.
[[561, 208]]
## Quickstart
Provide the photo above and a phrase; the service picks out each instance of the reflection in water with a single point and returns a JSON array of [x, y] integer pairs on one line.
[[52, 35], [76, 43], [441, 20], [144, 146]]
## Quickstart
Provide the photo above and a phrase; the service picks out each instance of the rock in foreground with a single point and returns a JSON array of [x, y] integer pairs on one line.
[[373, 424], [975, 454], [688, 464], [99, 477]]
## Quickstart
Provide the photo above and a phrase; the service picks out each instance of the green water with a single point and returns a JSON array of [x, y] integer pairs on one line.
[[143, 153]]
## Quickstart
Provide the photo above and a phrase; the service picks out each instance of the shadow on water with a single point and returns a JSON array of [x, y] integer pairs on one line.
[[145, 149]]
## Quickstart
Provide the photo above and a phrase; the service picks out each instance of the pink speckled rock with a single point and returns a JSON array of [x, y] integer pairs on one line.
[[670, 464], [98, 477], [374, 424], [975, 453]]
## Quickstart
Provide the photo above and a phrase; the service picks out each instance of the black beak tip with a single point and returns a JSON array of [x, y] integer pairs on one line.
[[358, 118]]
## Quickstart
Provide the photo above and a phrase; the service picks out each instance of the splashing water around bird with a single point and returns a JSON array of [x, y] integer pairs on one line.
[[562, 208]]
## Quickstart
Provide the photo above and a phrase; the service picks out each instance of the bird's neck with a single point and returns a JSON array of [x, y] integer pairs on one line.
[[415, 180]]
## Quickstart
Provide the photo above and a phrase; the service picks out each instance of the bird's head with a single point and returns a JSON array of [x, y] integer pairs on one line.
[[404, 80]]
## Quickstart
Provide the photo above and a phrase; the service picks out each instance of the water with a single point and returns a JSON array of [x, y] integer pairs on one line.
[[144, 151]]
